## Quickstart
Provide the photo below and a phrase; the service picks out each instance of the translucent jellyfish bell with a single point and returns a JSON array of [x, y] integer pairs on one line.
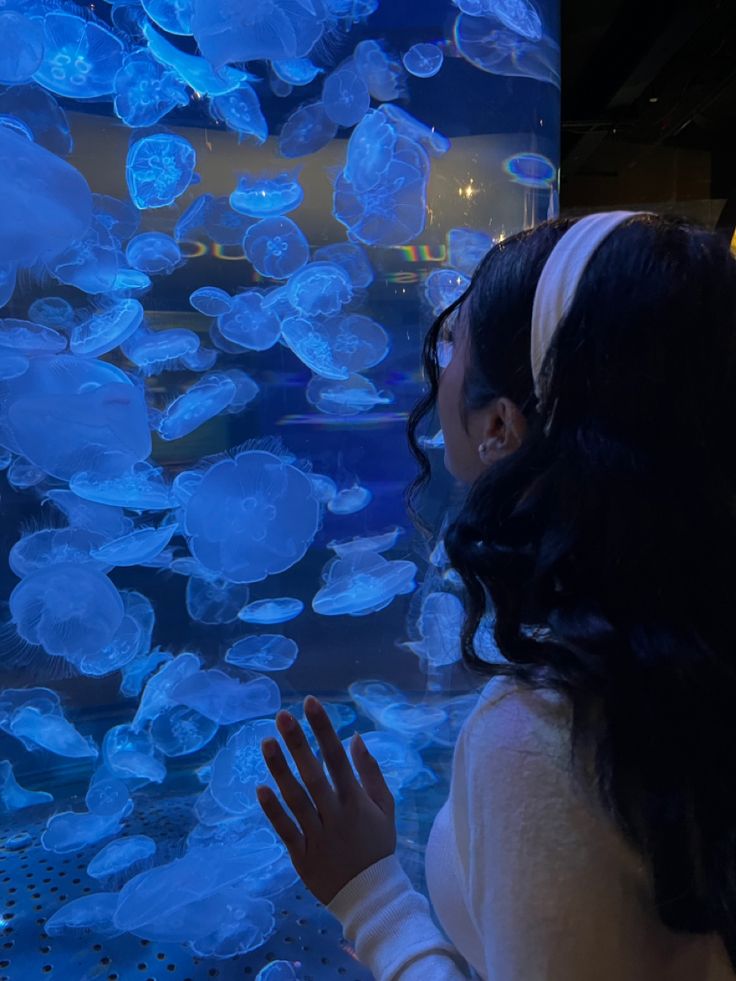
[[264, 197], [226, 700], [210, 300], [174, 16], [215, 601], [81, 57], [21, 48], [423, 60], [440, 625], [145, 91], [180, 730], [41, 113], [195, 71], [519, 16], [466, 247], [136, 547], [51, 732], [107, 329], [277, 610], [122, 855], [350, 500], [370, 151], [276, 247], [159, 169], [251, 516], [240, 110], [345, 95], [88, 914], [443, 286], [355, 394], [353, 259], [362, 583], [263, 652], [380, 72], [13, 797], [296, 71], [485, 43], [153, 351], [203, 401], [320, 288], [307, 130], [249, 323], [531, 170]]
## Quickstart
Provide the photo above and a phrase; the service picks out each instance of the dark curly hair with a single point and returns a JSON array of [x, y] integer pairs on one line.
[[606, 544]]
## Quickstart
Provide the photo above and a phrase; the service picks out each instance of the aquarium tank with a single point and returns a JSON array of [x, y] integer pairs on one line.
[[225, 229]]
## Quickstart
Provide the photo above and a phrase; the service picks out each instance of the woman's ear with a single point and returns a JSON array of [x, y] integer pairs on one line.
[[503, 430]]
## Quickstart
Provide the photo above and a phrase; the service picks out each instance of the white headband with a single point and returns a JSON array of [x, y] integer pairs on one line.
[[560, 277]]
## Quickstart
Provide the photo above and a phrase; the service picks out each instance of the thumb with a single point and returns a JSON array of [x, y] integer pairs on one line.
[[370, 775]]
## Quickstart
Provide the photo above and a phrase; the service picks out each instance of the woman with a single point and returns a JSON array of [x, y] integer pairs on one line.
[[587, 396]]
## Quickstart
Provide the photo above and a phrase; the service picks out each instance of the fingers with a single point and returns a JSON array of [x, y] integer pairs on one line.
[[298, 800], [310, 769], [282, 823], [332, 751], [371, 776]]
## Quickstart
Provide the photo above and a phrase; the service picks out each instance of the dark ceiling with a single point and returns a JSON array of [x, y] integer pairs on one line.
[[642, 75]]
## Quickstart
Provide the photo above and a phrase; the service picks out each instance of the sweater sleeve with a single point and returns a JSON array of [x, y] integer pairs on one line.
[[391, 928]]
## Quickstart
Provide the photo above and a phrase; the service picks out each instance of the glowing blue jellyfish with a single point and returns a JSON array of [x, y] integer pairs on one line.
[[277, 971], [531, 170], [485, 43], [245, 390], [69, 832], [311, 344], [218, 221], [41, 113], [362, 583], [296, 71], [423, 60], [519, 16], [174, 16], [410, 127], [153, 253], [466, 247], [443, 286], [49, 545], [122, 855], [21, 48], [345, 398], [159, 169], [105, 330], [12, 365], [91, 264], [141, 489], [353, 260], [370, 151], [129, 754], [197, 72], [240, 110], [214, 600], [210, 300], [81, 57], [106, 521], [273, 30], [88, 914], [51, 732], [324, 488], [277, 610], [239, 767], [157, 695], [8, 278], [352, 10], [276, 247], [129, 281], [153, 350], [440, 625], [227, 700], [264, 197], [13, 797], [338, 347], [52, 311], [66, 609], [21, 474], [179, 731], [400, 763], [263, 652], [306, 130], [135, 673], [374, 543], [47, 204], [345, 95], [132, 639], [278, 86], [394, 211], [145, 91], [117, 217], [26, 336], [206, 399], [249, 324], [381, 73], [251, 516], [320, 288], [350, 499], [138, 546]]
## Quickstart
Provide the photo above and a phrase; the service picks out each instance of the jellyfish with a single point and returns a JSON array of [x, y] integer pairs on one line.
[[277, 971], [206, 399], [499, 51], [410, 127], [443, 286], [239, 767], [94, 406], [118, 217], [71, 831], [267, 196], [153, 253], [245, 390], [52, 311], [374, 543], [91, 264], [8, 278], [127, 855], [223, 224], [142, 489], [104, 331], [345, 95], [272, 30], [128, 281], [466, 247], [312, 346], [440, 626], [227, 700], [263, 652], [251, 517], [159, 169], [24, 336], [66, 609], [41, 113], [248, 324], [179, 731], [356, 394], [50, 545], [357, 342], [131, 754], [137, 546], [153, 350], [519, 16], [353, 260], [21, 474], [47, 204], [106, 521], [145, 90], [51, 732], [370, 151], [13, 797], [215, 601], [197, 72], [132, 639], [363, 583], [240, 110], [394, 211], [423, 60], [296, 71], [88, 914], [320, 288], [81, 57], [276, 247], [400, 763], [350, 500], [136, 672], [210, 300], [107, 795], [324, 488], [157, 693], [277, 610], [12, 365], [307, 130], [174, 16], [21, 48], [381, 73], [531, 170]]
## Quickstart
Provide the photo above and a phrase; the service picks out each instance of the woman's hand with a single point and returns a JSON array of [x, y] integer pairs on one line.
[[342, 830]]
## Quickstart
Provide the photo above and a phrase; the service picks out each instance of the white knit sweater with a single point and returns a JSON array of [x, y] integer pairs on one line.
[[529, 878]]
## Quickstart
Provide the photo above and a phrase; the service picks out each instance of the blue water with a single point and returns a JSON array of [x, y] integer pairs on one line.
[[225, 233]]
